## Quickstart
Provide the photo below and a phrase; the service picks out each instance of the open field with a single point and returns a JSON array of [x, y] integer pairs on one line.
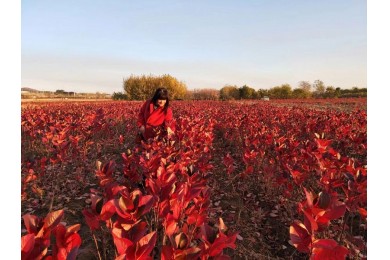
[[283, 179]]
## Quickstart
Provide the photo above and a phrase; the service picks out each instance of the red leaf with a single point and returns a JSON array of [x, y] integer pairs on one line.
[[145, 245], [207, 233], [309, 198], [167, 253], [113, 189], [192, 253], [61, 254], [300, 237], [297, 176], [221, 242], [108, 210], [310, 223], [97, 203], [91, 219], [53, 219], [170, 225], [121, 244], [145, 204], [336, 212], [363, 212], [176, 209], [137, 232], [28, 242], [328, 249], [153, 185], [67, 242], [108, 168], [121, 257], [31, 223], [200, 220], [72, 229], [192, 218], [181, 240], [322, 143], [125, 203], [59, 233], [249, 169], [73, 243], [164, 208]]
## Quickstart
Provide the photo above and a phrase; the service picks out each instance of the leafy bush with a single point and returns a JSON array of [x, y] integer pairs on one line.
[[119, 96]]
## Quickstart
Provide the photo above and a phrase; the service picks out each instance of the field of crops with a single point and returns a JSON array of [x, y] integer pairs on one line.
[[240, 180]]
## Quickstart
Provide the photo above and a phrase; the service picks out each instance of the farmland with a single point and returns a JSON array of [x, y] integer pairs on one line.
[[285, 179]]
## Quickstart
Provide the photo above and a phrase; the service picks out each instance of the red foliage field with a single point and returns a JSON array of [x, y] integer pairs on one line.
[[285, 179]]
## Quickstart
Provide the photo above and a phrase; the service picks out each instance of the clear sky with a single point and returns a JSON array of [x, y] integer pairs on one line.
[[89, 46]]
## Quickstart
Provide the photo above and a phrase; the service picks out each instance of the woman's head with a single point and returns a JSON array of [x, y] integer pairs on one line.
[[161, 98]]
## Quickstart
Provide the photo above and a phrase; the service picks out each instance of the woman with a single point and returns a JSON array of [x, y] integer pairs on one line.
[[155, 117]]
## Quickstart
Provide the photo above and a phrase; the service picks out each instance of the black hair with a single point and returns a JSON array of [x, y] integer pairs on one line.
[[161, 93]]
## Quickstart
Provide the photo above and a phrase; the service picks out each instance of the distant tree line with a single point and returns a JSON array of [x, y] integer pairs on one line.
[[29, 93], [143, 87], [285, 91], [120, 96]]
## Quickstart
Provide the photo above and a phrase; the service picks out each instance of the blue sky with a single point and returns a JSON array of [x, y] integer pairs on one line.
[[89, 46]]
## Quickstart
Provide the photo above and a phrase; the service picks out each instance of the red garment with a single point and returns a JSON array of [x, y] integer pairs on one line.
[[154, 120]]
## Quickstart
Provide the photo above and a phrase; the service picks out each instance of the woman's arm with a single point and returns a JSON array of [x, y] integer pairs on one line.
[[141, 116], [169, 122]]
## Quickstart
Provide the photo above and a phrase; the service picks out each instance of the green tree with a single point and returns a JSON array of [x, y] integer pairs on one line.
[[306, 87], [177, 89], [330, 92], [262, 93], [338, 92], [274, 92], [229, 92], [119, 96], [281, 92], [286, 91], [299, 93], [143, 87], [319, 88], [354, 92], [247, 92]]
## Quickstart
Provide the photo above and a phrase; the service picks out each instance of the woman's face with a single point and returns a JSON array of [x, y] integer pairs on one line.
[[161, 102]]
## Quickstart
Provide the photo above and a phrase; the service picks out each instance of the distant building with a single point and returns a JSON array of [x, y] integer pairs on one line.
[[266, 98]]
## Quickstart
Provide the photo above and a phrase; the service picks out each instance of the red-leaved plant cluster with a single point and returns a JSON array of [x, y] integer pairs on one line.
[[168, 215], [36, 244], [310, 156], [281, 148]]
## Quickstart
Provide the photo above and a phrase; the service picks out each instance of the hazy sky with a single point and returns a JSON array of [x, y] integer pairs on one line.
[[89, 46]]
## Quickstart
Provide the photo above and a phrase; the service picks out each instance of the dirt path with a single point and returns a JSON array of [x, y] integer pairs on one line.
[[246, 206]]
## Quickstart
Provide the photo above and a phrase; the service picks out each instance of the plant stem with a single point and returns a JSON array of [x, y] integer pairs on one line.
[[346, 215], [96, 244]]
